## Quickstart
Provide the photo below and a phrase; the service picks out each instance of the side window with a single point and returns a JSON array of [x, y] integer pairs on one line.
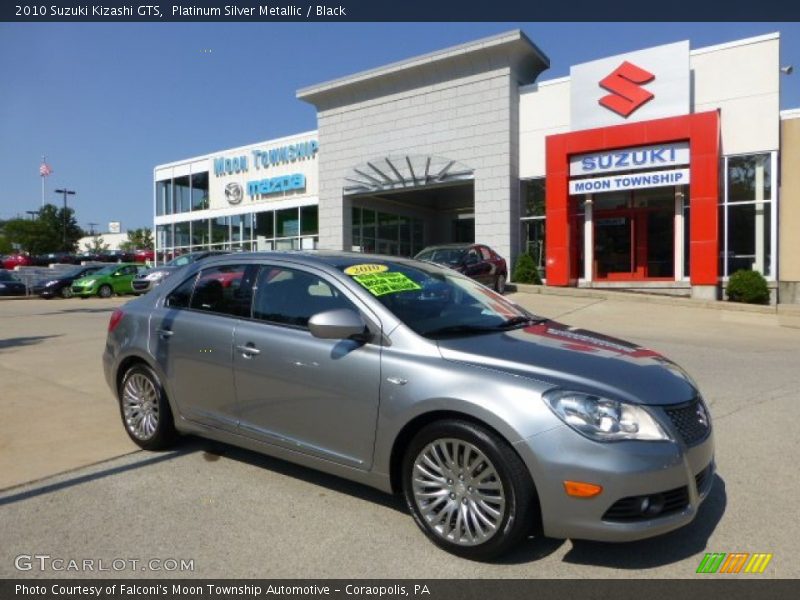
[[292, 297], [473, 255], [485, 253], [226, 289], [181, 295]]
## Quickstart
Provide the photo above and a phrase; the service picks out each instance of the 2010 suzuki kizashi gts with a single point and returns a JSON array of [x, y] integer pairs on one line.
[[414, 379]]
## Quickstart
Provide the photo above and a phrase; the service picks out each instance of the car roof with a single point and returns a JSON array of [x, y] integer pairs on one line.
[[327, 258]]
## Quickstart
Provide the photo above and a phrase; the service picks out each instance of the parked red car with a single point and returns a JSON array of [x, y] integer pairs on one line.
[[477, 261], [144, 255], [17, 260]]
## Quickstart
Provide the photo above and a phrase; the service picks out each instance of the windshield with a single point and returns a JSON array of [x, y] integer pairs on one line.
[[6, 276], [443, 256], [434, 301], [80, 272]]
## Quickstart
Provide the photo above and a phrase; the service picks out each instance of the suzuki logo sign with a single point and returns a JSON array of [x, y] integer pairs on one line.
[[637, 86], [625, 85]]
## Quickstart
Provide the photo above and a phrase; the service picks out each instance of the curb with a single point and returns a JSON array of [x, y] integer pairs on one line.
[[792, 311]]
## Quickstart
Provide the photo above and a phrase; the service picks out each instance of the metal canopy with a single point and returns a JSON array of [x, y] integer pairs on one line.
[[404, 173]]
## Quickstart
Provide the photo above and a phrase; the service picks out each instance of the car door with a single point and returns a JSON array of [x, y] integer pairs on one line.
[[121, 279], [191, 338], [315, 396]]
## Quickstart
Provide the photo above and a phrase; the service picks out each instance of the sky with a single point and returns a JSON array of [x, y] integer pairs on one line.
[[105, 103]]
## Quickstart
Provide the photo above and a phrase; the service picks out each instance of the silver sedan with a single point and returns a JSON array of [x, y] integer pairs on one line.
[[409, 377]]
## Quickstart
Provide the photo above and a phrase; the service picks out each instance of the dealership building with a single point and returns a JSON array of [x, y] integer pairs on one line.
[[665, 169]]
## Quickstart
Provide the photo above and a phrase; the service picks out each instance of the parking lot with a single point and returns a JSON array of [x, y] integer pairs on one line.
[[73, 486]]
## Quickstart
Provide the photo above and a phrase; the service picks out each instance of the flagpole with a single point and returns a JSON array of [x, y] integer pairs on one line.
[[42, 176]]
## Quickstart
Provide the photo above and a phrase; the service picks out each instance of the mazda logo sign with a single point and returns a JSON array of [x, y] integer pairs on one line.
[[233, 193]]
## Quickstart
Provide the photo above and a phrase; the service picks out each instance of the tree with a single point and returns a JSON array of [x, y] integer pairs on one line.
[[46, 233], [138, 239], [96, 246]]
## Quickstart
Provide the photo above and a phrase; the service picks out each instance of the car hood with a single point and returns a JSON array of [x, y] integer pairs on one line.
[[576, 359], [163, 270]]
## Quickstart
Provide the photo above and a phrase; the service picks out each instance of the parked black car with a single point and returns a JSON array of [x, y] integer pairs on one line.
[[117, 256], [60, 258], [61, 284], [477, 261], [10, 285]]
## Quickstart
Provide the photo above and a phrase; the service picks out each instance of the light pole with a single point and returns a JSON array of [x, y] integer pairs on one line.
[[66, 192], [91, 228], [33, 213]]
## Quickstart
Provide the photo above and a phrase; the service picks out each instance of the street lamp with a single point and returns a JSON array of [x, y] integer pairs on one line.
[[33, 213], [66, 192]]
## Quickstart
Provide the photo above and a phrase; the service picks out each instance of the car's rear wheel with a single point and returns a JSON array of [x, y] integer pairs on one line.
[[145, 409], [500, 283], [66, 292], [105, 291], [467, 489]]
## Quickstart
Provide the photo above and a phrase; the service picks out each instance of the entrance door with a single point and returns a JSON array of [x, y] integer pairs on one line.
[[635, 239]]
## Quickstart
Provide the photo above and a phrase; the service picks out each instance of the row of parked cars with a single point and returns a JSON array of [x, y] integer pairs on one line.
[[64, 258], [474, 260]]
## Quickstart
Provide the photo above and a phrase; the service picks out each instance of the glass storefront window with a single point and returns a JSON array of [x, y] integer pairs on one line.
[[182, 197], [264, 224], [200, 235], [355, 220], [182, 234], [288, 223], [749, 178], [241, 229], [220, 233], [309, 224], [200, 191], [533, 236], [533, 197], [746, 215], [164, 197]]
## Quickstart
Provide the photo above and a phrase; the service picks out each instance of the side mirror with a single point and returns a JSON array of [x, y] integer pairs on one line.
[[339, 324]]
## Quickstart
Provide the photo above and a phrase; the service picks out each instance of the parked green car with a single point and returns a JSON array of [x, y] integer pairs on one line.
[[113, 279]]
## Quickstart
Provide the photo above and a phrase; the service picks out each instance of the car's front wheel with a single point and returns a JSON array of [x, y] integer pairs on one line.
[[145, 409], [105, 291], [467, 489], [500, 283], [66, 292]]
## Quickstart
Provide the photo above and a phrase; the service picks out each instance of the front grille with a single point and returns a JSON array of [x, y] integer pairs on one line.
[[629, 509], [691, 420]]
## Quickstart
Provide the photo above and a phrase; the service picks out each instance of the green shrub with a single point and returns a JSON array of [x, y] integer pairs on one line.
[[749, 287], [525, 270]]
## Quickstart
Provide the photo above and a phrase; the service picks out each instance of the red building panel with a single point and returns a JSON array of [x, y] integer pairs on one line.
[[702, 130]]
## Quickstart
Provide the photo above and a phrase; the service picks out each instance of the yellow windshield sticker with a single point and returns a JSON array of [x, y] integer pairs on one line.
[[364, 269], [380, 284]]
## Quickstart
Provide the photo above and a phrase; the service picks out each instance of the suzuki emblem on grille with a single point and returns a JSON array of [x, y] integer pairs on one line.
[[625, 84]]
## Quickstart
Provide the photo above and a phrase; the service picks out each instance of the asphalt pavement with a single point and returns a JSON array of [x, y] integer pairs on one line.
[[74, 488]]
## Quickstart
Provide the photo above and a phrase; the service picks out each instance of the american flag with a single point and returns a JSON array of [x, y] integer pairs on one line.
[[44, 169]]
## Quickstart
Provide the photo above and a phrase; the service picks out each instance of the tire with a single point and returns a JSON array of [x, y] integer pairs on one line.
[[66, 292], [105, 291], [145, 410], [500, 283], [508, 498]]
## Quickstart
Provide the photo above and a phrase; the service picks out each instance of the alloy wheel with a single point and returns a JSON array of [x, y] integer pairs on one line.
[[140, 406], [458, 491]]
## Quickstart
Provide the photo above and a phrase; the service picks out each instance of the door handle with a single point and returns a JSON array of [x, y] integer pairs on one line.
[[248, 350], [165, 333]]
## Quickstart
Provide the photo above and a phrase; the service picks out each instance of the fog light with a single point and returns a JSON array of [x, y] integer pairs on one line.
[[651, 506], [580, 489]]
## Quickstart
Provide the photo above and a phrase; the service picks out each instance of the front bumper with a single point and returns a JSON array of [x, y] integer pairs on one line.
[[626, 470], [141, 286]]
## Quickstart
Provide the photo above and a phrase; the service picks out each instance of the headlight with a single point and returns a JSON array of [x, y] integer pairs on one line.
[[49, 283], [602, 419], [2, 286], [88, 282], [155, 276]]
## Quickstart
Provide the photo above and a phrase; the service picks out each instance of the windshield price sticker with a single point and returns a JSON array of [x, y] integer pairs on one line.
[[380, 284], [365, 269]]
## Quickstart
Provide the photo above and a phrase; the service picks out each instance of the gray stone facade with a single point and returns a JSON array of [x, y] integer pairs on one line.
[[461, 103]]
